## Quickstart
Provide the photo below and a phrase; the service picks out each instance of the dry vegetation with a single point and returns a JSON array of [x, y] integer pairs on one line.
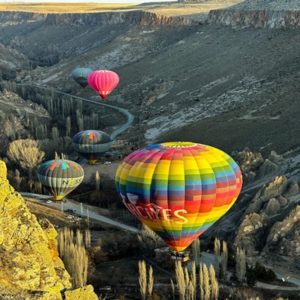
[[72, 249], [181, 9], [167, 9], [65, 7]]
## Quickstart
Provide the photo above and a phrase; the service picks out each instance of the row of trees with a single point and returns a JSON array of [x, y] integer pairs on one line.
[[188, 286]]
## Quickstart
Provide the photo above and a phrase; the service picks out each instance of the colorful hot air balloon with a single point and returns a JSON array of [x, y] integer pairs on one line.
[[60, 176], [178, 189], [80, 75], [91, 144], [103, 82]]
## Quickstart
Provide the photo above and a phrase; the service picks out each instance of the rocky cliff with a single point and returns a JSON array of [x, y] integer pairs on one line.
[[138, 17], [30, 267], [133, 17], [271, 221], [256, 18]]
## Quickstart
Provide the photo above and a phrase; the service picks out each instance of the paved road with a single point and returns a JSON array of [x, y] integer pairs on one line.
[[123, 111], [79, 209]]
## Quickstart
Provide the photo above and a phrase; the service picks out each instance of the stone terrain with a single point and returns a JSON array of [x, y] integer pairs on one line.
[[230, 86], [258, 13]]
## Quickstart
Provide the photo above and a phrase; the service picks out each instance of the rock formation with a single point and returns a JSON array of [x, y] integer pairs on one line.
[[271, 222], [258, 13], [30, 267]]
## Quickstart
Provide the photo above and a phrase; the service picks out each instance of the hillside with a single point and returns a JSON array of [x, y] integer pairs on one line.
[[205, 77], [229, 78]]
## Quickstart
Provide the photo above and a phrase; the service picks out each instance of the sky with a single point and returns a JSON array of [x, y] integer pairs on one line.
[[86, 1]]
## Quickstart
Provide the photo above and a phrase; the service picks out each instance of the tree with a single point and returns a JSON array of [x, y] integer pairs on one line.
[[206, 285], [217, 250], [201, 282], [17, 179], [26, 153], [97, 181], [146, 282], [73, 253], [224, 259], [196, 251], [180, 278], [143, 279], [240, 264], [214, 283], [150, 281], [68, 126]]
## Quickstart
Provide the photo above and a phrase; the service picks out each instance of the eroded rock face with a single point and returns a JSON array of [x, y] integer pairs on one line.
[[251, 232], [249, 162], [284, 238], [135, 17], [271, 223], [27, 264], [30, 267], [258, 18], [84, 293]]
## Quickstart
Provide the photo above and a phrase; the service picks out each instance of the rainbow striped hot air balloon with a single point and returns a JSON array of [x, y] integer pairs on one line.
[[178, 189], [60, 176], [91, 144]]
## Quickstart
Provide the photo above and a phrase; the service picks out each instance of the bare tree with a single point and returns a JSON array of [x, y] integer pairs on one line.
[[73, 252], [146, 282], [217, 250], [240, 264], [173, 289], [180, 278], [150, 281], [214, 283], [196, 251], [26, 153], [17, 179], [206, 285], [224, 259], [68, 126], [97, 181], [201, 282]]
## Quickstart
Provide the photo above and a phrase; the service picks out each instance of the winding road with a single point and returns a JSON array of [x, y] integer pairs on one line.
[[125, 112]]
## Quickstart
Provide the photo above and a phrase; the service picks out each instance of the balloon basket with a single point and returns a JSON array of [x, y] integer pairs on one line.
[[183, 256]]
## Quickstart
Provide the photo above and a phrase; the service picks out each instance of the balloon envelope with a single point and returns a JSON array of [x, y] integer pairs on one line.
[[91, 144], [178, 189], [60, 176], [103, 82], [80, 75]]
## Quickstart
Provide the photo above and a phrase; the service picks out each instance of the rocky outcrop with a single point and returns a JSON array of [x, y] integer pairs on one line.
[[239, 18], [271, 223], [251, 233], [30, 267], [284, 237], [137, 17], [249, 162], [132, 17], [84, 293]]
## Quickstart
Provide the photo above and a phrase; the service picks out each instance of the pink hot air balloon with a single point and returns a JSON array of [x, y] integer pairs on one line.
[[103, 82]]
